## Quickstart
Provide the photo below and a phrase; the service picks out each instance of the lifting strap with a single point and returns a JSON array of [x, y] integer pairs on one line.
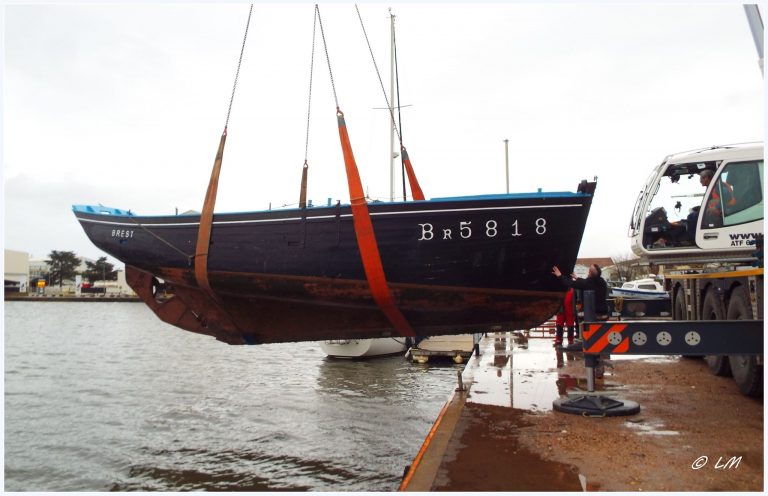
[[206, 216], [303, 192], [412, 181], [204, 241], [206, 222], [366, 238]]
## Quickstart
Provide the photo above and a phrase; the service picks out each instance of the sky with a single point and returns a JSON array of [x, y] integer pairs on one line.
[[123, 104]]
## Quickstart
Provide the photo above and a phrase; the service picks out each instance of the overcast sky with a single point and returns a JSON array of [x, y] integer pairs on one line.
[[124, 105]]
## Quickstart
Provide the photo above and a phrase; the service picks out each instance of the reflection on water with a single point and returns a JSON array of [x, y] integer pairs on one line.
[[103, 396]]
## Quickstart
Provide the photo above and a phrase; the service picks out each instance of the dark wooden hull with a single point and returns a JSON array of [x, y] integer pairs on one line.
[[453, 265]]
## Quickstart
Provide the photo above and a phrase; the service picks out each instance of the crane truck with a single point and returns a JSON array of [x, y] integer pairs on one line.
[[699, 221]]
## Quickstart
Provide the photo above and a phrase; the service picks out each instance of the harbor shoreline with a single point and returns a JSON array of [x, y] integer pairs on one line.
[[74, 298]]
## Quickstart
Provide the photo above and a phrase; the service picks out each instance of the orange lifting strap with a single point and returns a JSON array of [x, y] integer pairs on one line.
[[206, 222], [412, 181], [206, 217], [366, 238], [204, 237]]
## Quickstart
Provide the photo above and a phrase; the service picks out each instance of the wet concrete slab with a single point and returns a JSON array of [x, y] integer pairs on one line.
[[501, 434], [517, 372], [485, 455], [474, 445]]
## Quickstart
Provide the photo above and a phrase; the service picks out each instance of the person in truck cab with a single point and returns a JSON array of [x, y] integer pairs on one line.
[[713, 212]]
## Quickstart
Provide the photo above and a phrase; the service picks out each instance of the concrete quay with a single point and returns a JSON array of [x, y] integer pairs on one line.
[[694, 432]]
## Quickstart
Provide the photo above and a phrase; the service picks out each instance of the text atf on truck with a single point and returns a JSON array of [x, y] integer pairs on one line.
[[699, 220]]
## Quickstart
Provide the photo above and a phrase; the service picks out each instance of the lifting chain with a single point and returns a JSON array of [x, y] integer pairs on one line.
[[305, 167], [309, 98], [327, 57], [237, 73]]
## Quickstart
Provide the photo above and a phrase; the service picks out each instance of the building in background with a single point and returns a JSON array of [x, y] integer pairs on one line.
[[21, 270], [581, 269], [16, 271]]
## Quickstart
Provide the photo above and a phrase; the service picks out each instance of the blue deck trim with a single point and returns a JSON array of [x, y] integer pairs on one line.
[[503, 196], [100, 209]]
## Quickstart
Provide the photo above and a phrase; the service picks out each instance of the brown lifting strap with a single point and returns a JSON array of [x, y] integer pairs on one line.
[[412, 181], [303, 192], [206, 222], [366, 239], [204, 240]]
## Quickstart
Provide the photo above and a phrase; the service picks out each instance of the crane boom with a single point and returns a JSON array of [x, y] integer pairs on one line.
[[756, 26]]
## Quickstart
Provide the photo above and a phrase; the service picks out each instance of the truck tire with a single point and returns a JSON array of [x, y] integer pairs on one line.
[[679, 312], [713, 310], [746, 371]]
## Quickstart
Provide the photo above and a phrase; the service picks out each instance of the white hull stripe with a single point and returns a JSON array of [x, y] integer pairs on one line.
[[284, 219]]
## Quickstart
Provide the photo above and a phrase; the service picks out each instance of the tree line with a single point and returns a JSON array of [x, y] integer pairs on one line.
[[63, 265]]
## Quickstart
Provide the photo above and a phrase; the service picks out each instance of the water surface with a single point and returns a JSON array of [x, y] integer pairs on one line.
[[104, 396]]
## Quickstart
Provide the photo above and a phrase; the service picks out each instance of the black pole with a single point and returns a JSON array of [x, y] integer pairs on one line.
[[589, 306]]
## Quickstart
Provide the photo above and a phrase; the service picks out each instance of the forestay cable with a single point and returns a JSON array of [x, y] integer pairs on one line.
[[418, 194]]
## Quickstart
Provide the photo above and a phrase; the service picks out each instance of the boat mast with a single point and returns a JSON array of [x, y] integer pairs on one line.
[[392, 153], [506, 161]]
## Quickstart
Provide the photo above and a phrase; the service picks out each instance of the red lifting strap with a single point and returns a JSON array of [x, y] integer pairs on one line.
[[412, 181], [366, 239]]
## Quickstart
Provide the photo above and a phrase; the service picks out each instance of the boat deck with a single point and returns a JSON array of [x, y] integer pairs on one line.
[[501, 434]]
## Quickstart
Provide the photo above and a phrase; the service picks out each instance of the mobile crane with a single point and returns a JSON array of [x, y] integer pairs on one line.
[[709, 243], [699, 221]]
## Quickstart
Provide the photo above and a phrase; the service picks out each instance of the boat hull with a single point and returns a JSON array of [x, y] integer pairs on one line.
[[452, 265], [638, 293], [363, 348]]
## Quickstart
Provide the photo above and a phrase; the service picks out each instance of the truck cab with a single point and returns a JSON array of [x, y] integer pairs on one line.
[[701, 204]]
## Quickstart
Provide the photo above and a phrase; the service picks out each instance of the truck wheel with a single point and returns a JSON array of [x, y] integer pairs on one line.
[[712, 310], [679, 310], [746, 371], [679, 313]]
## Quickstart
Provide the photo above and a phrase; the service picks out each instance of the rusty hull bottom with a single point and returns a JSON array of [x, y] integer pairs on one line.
[[258, 308]]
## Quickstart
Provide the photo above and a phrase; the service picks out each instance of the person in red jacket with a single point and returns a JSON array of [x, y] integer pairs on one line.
[[565, 317], [713, 213]]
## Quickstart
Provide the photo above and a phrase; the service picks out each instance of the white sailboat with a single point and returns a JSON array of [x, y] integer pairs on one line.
[[363, 348]]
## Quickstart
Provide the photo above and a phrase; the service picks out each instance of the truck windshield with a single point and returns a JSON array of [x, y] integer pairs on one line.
[[672, 211], [637, 211]]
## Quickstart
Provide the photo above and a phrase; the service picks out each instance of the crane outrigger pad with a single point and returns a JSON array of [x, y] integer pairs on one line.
[[596, 406]]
